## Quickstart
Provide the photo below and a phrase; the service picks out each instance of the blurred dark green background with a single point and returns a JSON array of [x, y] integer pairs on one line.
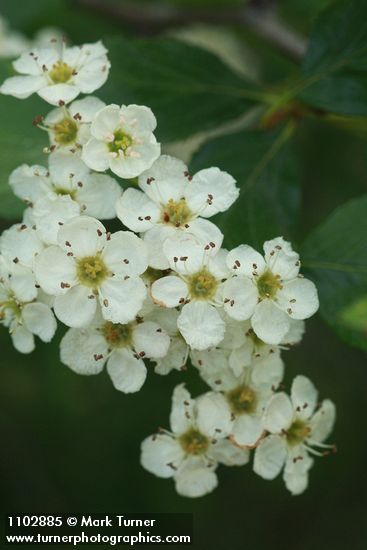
[[71, 444]]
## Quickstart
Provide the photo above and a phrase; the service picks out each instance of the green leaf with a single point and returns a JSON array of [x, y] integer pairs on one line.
[[335, 67], [20, 143], [335, 258], [189, 89], [266, 171]]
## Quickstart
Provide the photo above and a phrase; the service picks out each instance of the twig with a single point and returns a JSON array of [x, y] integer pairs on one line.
[[152, 18]]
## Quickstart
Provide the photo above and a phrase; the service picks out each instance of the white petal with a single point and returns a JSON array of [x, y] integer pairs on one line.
[[240, 298], [23, 340], [169, 291], [201, 325], [95, 154], [299, 298], [137, 211], [268, 371], [51, 212], [245, 260], [29, 182], [106, 122], [22, 283], [39, 319], [281, 259], [194, 479], [92, 75], [205, 233], [184, 254], [304, 396], [84, 351], [86, 108], [269, 322], [175, 359], [125, 254], [154, 239], [54, 269], [213, 415], [121, 300], [22, 87], [227, 453], [211, 191], [247, 429], [58, 92], [151, 340], [295, 333], [21, 243], [279, 413], [169, 180], [83, 236], [270, 456], [138, 117], [141, 157], [182, 410], [161, 454], [127, 373], [99, 195], [322, 421], [66, 170], [76, 308]]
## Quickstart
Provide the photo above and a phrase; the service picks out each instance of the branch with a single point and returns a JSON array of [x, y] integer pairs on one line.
[[151, 19]]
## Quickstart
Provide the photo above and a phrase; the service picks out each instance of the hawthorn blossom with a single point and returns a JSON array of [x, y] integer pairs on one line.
[[20, 244], [196, 285], [122, 140], [122, 347], [296, 431], [246, 393], [59, 74], [90, 266], [69, 127], [268, 290], [63, 191], [24, 310], [197, 442], [243, 346], [173, 203]]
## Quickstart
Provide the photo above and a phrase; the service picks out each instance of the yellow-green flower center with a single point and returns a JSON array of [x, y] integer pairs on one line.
[[298, 431], [242, 400], [203, 285], [60, 73], [268, 284], [91, 271], [117, 335], [121, 142], [63, 192], [12, 306], [65, 131], [176, 213], [193, 442]]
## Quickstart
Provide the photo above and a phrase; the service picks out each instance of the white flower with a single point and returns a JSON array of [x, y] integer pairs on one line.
[[295, 429], [174, 203], [23, 310], [243, 346], [176, 357], [197, 286], [122, 140], [12, 43], [64, 191], [69, 127], [122, 346], [197, 443], [246, 393], [269, 290], [90, 265], [59, 74]]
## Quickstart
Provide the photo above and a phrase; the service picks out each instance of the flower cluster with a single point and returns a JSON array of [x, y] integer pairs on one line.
[[158, 289]]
